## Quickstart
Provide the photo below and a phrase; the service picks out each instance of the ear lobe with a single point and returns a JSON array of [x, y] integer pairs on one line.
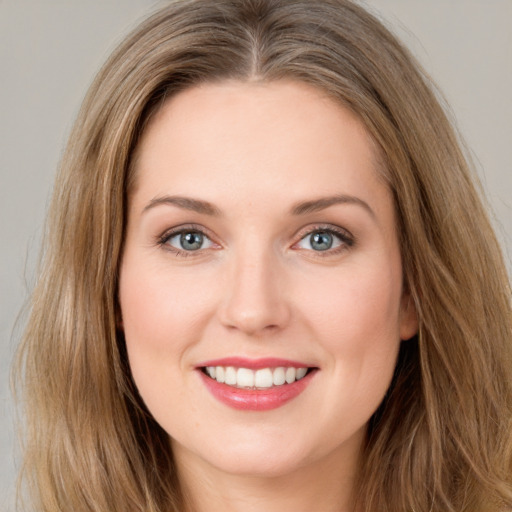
[[408, 318]]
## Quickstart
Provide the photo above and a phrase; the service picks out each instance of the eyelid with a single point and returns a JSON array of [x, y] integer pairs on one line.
[[163, 238], [346, 238]]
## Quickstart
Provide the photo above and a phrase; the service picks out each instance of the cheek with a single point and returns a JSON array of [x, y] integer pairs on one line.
[[356, 308], [357, 324], [163, 317], [158, 306]]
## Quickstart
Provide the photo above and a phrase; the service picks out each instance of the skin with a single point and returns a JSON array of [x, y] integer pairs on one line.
[[257, 288]]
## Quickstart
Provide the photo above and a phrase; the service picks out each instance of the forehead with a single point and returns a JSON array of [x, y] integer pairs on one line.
[[283, 137]]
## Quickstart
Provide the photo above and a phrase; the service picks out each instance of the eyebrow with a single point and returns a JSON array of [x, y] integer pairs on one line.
[[187, 203], [322, 203], [301, 208]]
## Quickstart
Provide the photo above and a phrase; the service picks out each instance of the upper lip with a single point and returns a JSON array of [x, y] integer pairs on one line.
[[254, 364]]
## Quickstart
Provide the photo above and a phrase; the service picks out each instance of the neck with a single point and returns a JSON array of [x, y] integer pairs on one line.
[[324, 484]]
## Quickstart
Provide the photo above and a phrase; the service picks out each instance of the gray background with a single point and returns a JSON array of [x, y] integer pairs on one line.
[[50, 50]]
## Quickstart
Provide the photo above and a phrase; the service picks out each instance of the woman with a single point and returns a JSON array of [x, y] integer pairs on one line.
[[269, 282]]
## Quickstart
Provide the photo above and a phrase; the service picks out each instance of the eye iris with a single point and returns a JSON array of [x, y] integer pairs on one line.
[[191, 241], [321, 241]]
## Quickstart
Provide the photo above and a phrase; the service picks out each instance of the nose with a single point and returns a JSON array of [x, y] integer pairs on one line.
[[254, 299]]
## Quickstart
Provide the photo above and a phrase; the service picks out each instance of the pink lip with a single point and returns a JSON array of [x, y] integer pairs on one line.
[[255, 399]]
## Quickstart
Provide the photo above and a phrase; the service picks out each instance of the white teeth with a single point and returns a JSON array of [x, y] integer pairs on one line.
[[230, 376], [259, 379], [245, 378], [263, 378], [301, 372], [290, 375], [219, 374], [279, 377]]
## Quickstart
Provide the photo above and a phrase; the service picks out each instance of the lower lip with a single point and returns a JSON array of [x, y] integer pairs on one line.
[[256, 399]]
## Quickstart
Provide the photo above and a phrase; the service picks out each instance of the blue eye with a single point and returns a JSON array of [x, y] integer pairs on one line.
[[322, 240], [189, 240]]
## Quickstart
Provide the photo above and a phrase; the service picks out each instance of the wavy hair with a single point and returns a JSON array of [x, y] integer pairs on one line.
[[441, 439]]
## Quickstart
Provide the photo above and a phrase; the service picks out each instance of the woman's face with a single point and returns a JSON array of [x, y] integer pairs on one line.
[[261, 244]]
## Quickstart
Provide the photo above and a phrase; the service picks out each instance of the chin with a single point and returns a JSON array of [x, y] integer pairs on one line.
[[261, 465], [250, 457]]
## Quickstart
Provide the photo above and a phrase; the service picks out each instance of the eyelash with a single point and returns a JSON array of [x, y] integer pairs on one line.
[[345, 238], [163, 240]]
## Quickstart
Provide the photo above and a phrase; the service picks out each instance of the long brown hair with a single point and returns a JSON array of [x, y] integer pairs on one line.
[[441, 440]]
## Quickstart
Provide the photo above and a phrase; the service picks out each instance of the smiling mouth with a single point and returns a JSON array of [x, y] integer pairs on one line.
[[263, 378]]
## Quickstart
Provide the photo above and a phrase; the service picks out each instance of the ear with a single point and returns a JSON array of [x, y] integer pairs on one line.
[[408, 317]]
